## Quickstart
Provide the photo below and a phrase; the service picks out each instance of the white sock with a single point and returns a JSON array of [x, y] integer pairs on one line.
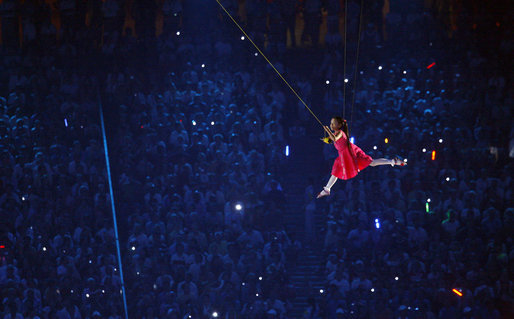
[[381, 161], [331, 182]]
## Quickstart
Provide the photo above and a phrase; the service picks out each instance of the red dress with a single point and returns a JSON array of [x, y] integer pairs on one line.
[[345, 165]]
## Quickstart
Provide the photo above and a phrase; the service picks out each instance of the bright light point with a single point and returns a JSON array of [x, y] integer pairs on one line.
[[133, 248], [321, 291], [405, 160], [457, 292], [215, 314], [44, 248], [396, 278], [242, 37], [178, 32], [345, 80], [372, 289], [386, 140], [447, 179], [408, 307], [287, 150], [260, 278], [66, 122], [380, 67], [90, 261], [375, 147], [212, 123], [424, 150], [376, 220], [433, 155], [87, 295], [362, 72], [194, 122], [242, 284], [103, 291], [327, 82], [137, 273], [23, 198], [115, 269], [440, 140], [71, 291], [416, 308], [256, 295], [352, 139], [256, 54], [239, 206], [203, 65], [404, 72], [428, 200]]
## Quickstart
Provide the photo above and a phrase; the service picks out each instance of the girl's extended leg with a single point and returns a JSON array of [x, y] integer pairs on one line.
[[382, 161], [326, 190]]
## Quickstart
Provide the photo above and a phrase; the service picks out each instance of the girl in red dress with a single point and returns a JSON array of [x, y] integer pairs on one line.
[[351, 159]]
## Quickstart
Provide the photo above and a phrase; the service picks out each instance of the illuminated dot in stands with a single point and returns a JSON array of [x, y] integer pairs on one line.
[[428, 200], [256, 54], [327, 82], [260, 278], [380, 67], [90, 261], [372, 289], [23, 198], [396, 278], [178, 32], [362, 72], [424, 150], [203, 65], [44, 248], [194, 122], [405, 160], [242, 284], [404, 72], [440, 140], [133, 248], [375, 147], [256, 295], [71, 291], [447, 179], [345, 80], [103, 291], [242, 37], [239, 206], [87, 295], [115, 269], [321, 291], [137, 273], [212, 123]]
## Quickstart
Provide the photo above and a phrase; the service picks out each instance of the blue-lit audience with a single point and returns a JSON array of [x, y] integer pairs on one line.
[[196, 160]]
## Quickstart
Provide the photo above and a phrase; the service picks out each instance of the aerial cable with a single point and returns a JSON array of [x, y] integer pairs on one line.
[[240, 28]]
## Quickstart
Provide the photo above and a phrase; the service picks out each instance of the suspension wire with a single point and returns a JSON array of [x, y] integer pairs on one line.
[[344, 59], [356, 64], [112, 205], [280, 75]]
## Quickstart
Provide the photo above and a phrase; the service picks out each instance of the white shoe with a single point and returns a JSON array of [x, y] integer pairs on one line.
[[324, 192], [398, 162]]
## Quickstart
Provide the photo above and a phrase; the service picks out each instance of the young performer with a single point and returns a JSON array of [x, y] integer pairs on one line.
[[351, 159]]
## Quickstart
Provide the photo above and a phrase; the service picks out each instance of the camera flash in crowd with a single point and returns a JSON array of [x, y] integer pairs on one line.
[[380, 67], [203, 65], [239, 206], [178, 32], [321, 291], [396, 278], [133, 248], [242, 38], [327, 82], [345, 80]]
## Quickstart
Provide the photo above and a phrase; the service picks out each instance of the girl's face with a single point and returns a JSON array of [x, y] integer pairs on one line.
[[334, 125]]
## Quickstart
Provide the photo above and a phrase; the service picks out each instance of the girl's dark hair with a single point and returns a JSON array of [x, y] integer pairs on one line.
[[344, 127]]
